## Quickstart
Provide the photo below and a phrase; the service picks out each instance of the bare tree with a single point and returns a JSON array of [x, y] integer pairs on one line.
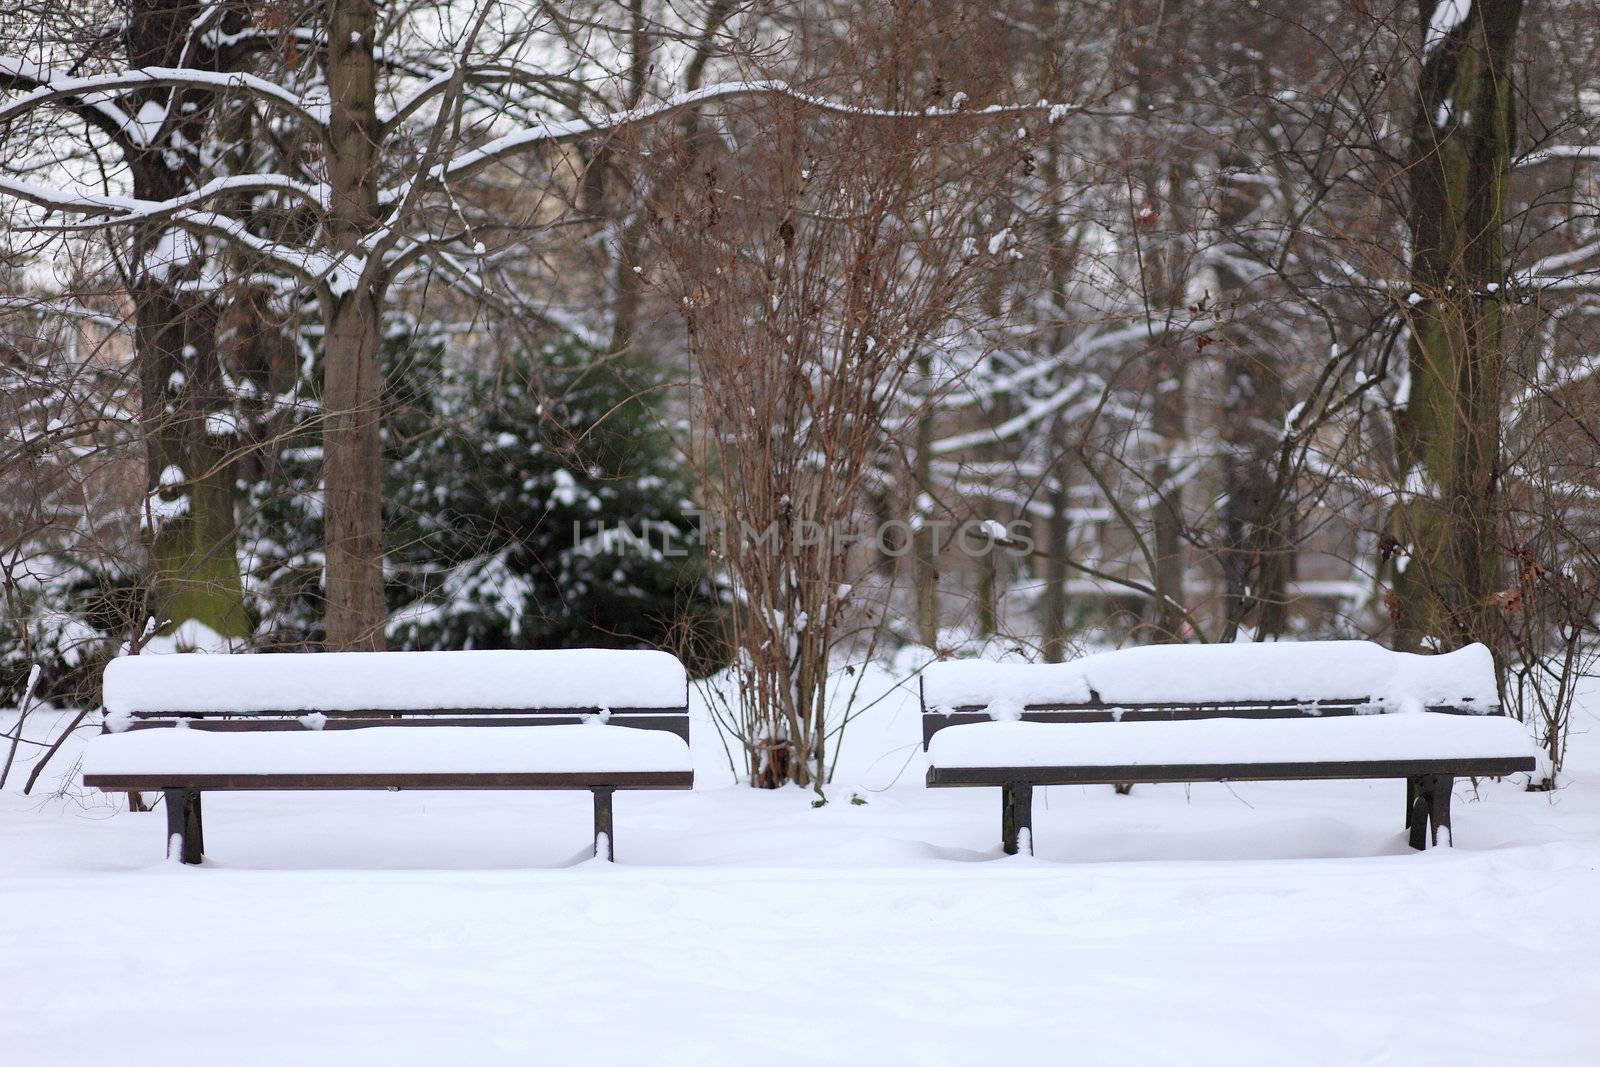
[[1462, 138], [836, 262]]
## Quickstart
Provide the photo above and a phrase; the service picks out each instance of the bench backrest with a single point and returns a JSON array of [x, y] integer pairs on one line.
[[1174, 682], [347, 690]]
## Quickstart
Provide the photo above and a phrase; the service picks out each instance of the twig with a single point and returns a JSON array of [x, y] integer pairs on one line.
[[45, 759], [22, 717]]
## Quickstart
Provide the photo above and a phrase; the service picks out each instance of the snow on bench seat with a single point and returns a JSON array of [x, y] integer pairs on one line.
[[394, 681], [1398, 736], [570, 749], [1284, 671]]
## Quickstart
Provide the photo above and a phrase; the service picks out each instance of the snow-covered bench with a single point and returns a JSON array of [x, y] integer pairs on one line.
[[1219, 713], [592, 719]]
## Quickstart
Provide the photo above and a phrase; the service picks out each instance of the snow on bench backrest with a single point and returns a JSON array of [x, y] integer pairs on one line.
[[1271, 673], [520, 680]]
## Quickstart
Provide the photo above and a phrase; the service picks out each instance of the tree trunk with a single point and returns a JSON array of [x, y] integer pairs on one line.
[[193, 534], [925, 538], [1257, 550], [189, 479], [627, 280], [352, 476], [988, 592], [1448, 434], [1164, 177], [1166, 615], [353, 305], [1058, 527]]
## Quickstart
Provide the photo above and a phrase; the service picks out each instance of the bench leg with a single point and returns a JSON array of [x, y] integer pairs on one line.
[[1016, 817], [1416, 813], [1428, 809], [184, 828], [604, 840], [1439, 810]]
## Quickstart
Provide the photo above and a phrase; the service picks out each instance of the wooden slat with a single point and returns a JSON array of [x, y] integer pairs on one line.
[[934, 721], [509, 781], [673, 724], [385, 713], [1197, 705], [939, 777]]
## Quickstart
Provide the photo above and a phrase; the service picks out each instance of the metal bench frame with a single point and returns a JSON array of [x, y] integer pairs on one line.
[[1428, 782], [182, 792]]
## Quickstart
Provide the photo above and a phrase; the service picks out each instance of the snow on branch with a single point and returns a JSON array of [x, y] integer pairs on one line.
[[124, 209], [436, 84], [578, 129], [1576, 270], [1561, 262], [307, 264], [78, 203], [190, 211], [1589, 153], [53, 86], [10, 302], [17, 72], [184, 213], [1080, 348], [1035, 412]]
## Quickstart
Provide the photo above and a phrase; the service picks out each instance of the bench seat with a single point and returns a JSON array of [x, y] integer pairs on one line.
[[139, 759], [1081, 750]]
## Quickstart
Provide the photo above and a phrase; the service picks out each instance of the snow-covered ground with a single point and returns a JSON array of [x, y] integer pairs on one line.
[[1265, 923]]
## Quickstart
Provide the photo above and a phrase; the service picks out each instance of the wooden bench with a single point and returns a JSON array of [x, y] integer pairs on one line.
[[590, 719], [1221, 713]]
